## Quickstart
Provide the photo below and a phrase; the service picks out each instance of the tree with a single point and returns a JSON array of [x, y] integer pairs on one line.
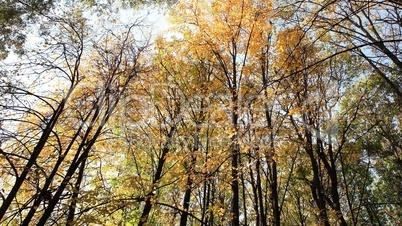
[[370, 29], [316, 93], [375, 134], [86, 104], [235, 27]]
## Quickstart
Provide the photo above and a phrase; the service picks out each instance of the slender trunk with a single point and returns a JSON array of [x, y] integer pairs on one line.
[[74, 197], [262, 214], [316, 186], [244, 197], [205, 199], [207, 188], [186, 202], [274, 195], [235, 188], [315, 183], [300, 210], [190, 180], [254, 184], [235, 160], [334, 185], [211, 199], [158, 175], [335, 199], [235, 80]]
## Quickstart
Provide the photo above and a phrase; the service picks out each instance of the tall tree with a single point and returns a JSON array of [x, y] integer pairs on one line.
[[370, 29], [71, 125], [227, 30]]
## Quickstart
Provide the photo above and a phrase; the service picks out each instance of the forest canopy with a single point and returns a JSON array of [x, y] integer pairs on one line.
[[237, 112]]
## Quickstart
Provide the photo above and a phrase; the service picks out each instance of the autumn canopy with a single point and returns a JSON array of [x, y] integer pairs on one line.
[[236, 112]]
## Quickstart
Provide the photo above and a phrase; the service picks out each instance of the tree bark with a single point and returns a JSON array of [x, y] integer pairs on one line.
[[235, 167]]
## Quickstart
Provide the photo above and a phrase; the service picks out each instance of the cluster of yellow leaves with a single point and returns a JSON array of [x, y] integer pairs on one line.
[[294, 49]]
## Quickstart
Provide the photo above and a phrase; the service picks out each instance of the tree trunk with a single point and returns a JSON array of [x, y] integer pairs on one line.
[[235, 168], [262, 214], [190, 180], [316, 184], [274, 195], [158, 175], [334, 186], [74, 197]]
